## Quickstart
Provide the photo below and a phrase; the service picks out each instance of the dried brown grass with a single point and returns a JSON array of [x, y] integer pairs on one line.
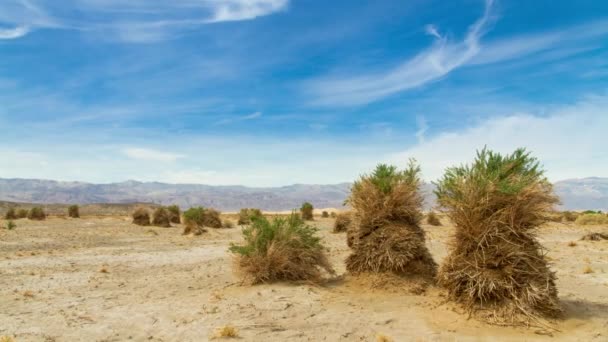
[[161, 218], [141, 217], [433, 219], [342, 222]]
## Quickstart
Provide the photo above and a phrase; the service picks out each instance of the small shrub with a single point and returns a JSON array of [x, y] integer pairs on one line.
[[569, 216], [10, 225], [433, 219], [21, 213], [306, 211], [74, 211], [212, 218], [197, 218], [333, 214], [571, 244], [10, 214], [161, 218], [324, 214], [591, 219], [36, 213], [587, 269], [174, 214], [281, 249], [141, 217], [228, 224], [342, 222], [247, 214], [227, 331]]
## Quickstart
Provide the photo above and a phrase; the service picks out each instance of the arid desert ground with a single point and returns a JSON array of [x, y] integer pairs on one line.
[[105, 279]]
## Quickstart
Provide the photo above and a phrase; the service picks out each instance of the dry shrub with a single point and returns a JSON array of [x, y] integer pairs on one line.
[[174, 214], [591, 219], [247, 214], [569, 216], [496, 268], [74, 211], [595, 237], [281, 249], [197, 218], [36, 213], [21, 213], [385, 234], [161, 218], [212, 218], [10, 214], [307, 211], [6, 339], [342, 222], [227, 331], [333, 214], [433, 219], [324, 214], [141, 217]]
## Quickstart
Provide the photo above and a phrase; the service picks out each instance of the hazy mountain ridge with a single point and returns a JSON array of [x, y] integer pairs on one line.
[[586, 193]]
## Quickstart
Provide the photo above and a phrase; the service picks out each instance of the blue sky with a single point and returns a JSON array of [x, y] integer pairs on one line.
[[274, 92]]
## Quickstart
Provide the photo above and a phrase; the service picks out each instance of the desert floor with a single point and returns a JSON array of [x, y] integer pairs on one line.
[[104, 279]]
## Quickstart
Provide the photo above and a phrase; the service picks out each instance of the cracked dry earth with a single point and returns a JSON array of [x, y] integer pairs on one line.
[[104, 279]]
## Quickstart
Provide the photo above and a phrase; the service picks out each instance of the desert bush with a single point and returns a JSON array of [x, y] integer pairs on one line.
[[197, 218], [174, 214], [591, 219], [10, 225], [385, 233], [36, 213], [591, 212], [141, 217], [324, 214], [247, 214], [21, 213], [569, 216], [10, 214], [433, 219], [342, 222], [74, 211], [227, 224], [306, 211], [495, 267], [333, 214], [281, 249], [161, 217]]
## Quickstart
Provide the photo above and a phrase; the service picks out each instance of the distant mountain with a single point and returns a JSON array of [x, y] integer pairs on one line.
[[576, 194]]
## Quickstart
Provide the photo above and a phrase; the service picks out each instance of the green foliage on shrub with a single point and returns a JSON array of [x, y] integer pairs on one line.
[[247, 214], [306, 211], [10, 214], [202, 217], [174, 214], [74, 211], [36, 213], [10, 225]]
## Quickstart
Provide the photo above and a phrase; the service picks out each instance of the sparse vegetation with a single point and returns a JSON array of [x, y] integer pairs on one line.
[[433, 219], [591, 219], [10, 214], [247, 214], [74, 211], [307, 211], [385, 233], [10, 225], [161, 218], [174, 214], [281, 249], [342, 222], [21, 213], [141, 217], [37, 214], [496, 266]]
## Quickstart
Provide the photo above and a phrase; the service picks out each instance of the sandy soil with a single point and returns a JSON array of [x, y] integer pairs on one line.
[[103, 279]]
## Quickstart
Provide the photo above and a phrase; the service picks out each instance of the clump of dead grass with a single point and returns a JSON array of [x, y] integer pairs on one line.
[[385, 233], [342, 222], [307, 211], [227, 331], [496, 268], [161, 217], [247, 214], [74, 211], [174, 214], [6, 338], [141, 217], [433, 219], [281, 249], [36, 214]]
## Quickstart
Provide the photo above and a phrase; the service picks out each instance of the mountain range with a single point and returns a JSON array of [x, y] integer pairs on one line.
[[575, 194]]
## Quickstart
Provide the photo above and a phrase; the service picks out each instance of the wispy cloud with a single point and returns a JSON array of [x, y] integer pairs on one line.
[[146, 154], [135, 21], [429, 65], [234, 119]]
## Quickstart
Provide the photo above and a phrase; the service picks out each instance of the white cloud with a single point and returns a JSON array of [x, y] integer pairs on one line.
[[432, 31], [234, 119], [429, 65], [146, 154], [134, 21], [13, 33], [422, 128], [570, 142]]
